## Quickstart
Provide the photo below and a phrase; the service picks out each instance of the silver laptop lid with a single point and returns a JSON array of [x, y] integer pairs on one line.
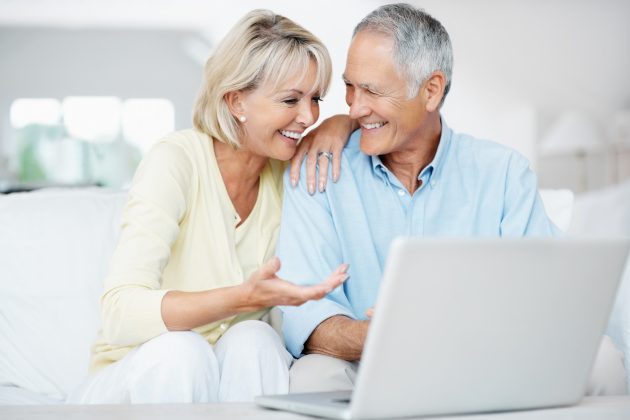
[[484, 325]]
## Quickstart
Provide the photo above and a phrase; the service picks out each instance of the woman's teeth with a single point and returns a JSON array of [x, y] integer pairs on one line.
[[291, 134]]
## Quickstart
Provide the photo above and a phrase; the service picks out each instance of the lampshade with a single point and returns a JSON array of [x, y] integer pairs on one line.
[[572, 133], [620, 128]]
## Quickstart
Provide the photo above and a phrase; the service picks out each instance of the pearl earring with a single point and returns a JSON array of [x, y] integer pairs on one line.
[[242, 118]]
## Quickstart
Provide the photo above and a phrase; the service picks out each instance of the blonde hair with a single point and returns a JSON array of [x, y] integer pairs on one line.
[[262, 47]]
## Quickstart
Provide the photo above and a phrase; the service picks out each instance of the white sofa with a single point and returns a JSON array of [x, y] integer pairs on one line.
[[54, 252]]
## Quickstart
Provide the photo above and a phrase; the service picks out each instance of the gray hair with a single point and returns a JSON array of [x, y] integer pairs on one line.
[[421, 44]]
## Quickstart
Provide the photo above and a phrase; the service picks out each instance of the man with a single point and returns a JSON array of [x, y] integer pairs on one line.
[[405, 172]]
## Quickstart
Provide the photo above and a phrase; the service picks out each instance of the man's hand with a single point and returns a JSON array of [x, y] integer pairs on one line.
[[265, 289], [330, 137]]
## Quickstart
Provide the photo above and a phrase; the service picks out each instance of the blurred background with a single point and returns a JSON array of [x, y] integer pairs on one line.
[[86, 86]]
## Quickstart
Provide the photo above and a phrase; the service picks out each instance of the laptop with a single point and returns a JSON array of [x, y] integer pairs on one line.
[[478, 325]]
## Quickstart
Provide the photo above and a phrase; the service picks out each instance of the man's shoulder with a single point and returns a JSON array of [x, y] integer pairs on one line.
[[353, 163], [483, 151], [351, 158]]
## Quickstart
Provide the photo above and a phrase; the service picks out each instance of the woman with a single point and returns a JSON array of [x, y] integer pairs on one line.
[[194, 271]]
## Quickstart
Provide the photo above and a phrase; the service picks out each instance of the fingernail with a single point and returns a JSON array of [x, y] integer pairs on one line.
[[321, 187], [293, 182], [311, 189], [335, 177]]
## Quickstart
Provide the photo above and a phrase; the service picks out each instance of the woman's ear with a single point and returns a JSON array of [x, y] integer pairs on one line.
[[234, 101], [433, 90]]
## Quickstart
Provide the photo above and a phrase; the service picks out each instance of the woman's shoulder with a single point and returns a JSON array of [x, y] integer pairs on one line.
[[180, 147], [176, 155], [188, 139]]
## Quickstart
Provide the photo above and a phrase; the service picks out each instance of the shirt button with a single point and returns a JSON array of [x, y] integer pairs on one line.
[[433, 183], [401, 192]]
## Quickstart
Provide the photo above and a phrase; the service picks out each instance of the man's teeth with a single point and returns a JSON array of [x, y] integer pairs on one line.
[[373, 125], [291, 134]]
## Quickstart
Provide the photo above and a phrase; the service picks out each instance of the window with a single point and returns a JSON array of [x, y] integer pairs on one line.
[[86, 139], [146, 120], [93, 119], [35, 111]]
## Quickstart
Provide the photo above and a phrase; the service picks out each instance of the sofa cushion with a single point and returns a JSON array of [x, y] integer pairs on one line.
[[54, 251], [606, 213], [559, 206], [55, 247], [13, 395]]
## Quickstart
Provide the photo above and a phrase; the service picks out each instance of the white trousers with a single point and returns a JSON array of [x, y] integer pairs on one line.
[[319, 373], [249, 360]]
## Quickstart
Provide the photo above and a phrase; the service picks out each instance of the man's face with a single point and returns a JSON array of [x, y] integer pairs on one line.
[[377, 96]]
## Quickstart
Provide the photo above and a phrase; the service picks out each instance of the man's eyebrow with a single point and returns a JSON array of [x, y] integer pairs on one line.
[[365, 86]]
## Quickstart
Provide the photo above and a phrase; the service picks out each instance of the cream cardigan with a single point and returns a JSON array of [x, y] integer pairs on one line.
[[179, 233]]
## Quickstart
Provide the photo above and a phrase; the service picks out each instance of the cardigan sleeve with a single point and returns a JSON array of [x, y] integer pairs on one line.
[[158, 202]]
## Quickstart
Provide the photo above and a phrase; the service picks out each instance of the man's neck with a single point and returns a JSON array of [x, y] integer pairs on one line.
[[406, 164]]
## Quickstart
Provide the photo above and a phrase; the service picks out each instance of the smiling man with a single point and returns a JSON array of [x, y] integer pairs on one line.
[[405, 172]]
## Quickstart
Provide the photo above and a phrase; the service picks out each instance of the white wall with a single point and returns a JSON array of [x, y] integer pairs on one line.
[[534, 60], [58, 62], [518, 64]]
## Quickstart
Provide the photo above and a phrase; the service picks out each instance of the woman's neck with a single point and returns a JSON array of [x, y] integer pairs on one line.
[[240, 169]]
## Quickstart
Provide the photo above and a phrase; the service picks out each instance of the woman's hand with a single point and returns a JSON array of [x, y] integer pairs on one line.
[[330, 137], [182, 311], [265, 289]]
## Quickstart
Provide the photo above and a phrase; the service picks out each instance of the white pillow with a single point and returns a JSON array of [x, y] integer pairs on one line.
[[55, 247], [559, 206], [606, 213]]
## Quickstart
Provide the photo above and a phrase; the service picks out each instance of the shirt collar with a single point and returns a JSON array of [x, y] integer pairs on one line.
[[440, 155], [432, 169], [379, 168]]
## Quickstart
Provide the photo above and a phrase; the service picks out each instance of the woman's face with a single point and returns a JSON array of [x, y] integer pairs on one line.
[[278, 116]]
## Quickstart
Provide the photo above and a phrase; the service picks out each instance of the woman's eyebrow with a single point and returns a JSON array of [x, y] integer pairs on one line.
[[292, 90]]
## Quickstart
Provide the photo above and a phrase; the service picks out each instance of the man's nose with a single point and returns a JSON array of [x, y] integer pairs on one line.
[[358, 105]]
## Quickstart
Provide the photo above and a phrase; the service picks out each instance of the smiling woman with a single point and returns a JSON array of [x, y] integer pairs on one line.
[[276, 116], [255, 56], [194, 270]]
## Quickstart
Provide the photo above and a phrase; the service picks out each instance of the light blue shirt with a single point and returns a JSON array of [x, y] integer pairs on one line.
[[471, 188]]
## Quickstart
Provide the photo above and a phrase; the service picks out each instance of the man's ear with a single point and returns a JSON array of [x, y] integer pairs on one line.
[[234, 101], [433, 90]]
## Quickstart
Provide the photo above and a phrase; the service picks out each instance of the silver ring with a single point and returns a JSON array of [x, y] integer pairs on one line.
[[327, 154]]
